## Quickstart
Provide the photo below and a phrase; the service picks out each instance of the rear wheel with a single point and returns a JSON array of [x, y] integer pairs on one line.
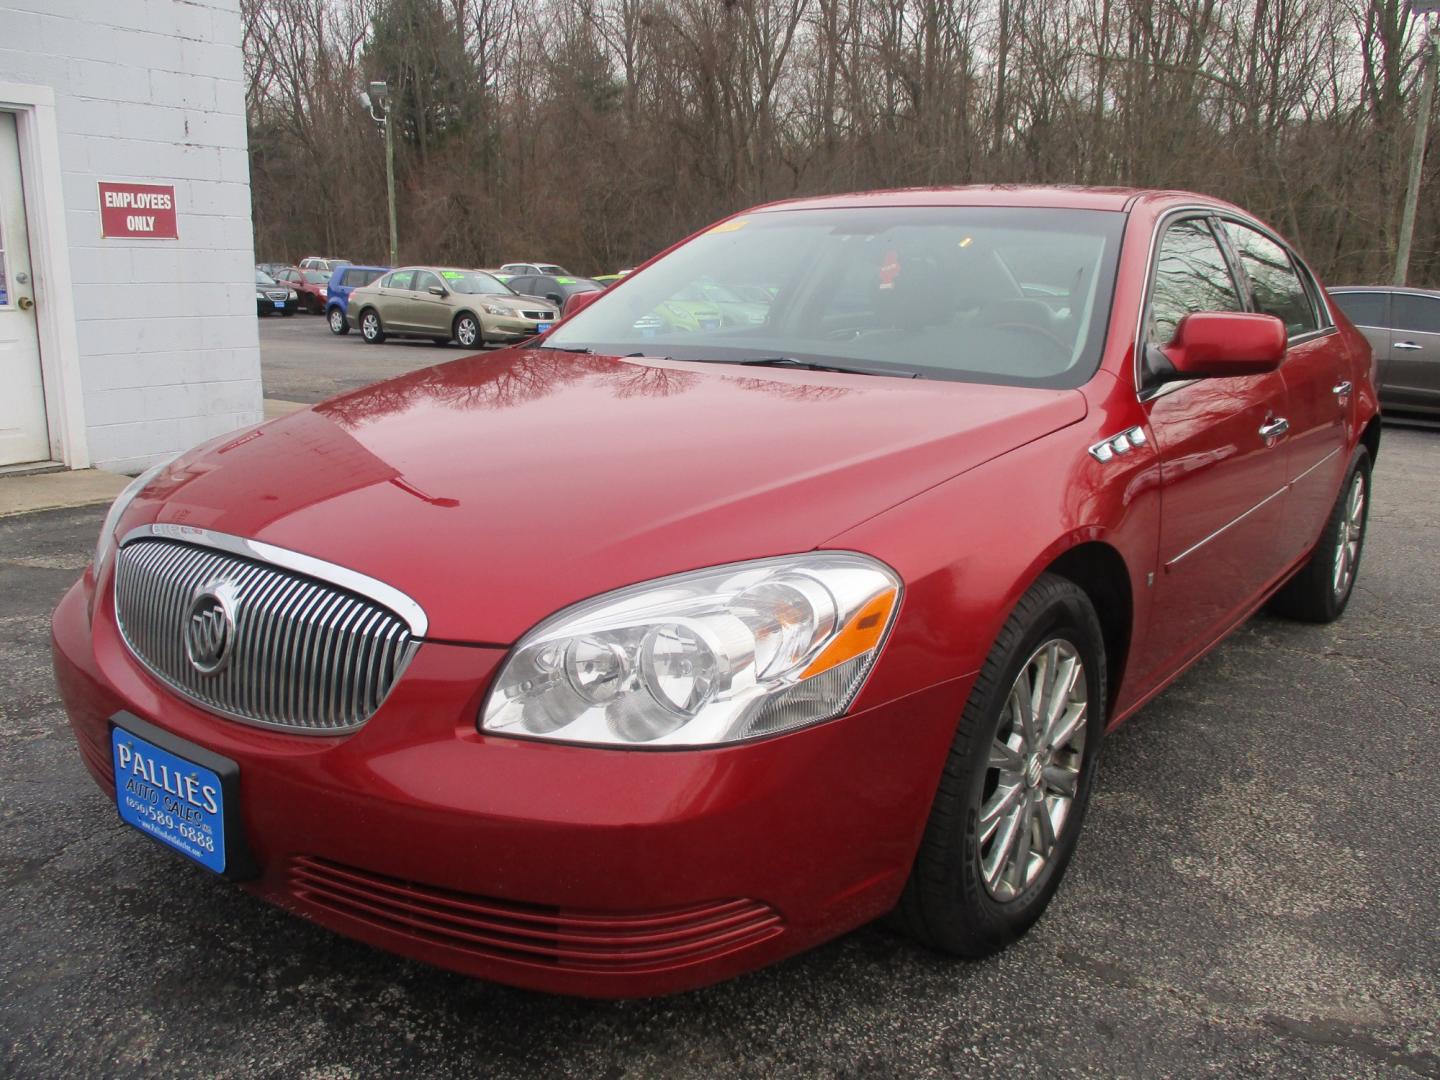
[[1013, 794], [338, 325], [371, 329], [1320, 590], [467, 330]]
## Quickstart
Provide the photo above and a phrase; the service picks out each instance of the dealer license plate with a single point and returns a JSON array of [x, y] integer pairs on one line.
[[176, 801], [280, 304], [540, 328]]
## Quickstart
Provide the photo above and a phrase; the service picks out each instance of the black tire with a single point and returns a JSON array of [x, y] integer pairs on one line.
[[468, 331], [336, 318], [1315, 593], [372, 330], [947, 903]]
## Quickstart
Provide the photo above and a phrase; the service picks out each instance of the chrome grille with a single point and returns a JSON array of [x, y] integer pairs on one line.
[[307, 656], [539, 316]]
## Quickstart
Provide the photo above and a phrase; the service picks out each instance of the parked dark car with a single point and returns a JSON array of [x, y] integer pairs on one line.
[[271, 296], [309, 285], [556, 288], [343, 282], [1403, 327]]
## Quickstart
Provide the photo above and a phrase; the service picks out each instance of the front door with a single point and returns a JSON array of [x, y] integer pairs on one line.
[[1222, 463], [23, 434]]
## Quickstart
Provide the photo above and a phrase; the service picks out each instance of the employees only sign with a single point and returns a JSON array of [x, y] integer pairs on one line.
[[138, 211]]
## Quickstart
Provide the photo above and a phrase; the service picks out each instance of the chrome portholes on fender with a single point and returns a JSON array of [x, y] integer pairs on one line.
[[1108, 449], [1034, 768]]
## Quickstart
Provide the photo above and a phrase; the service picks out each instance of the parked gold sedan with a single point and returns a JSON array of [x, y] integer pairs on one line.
[[468, 306]]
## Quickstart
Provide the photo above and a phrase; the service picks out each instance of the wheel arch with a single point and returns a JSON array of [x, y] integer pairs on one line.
[[1099, 570], [1370, 437]]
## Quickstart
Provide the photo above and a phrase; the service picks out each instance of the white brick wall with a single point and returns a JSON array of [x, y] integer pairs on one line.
[[150, 91]]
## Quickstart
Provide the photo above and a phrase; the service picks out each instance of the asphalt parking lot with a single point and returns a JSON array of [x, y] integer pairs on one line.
[[1256, 892], [303, 361]]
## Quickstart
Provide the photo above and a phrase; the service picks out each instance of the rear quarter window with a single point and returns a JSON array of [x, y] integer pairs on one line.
[[1417, 314]]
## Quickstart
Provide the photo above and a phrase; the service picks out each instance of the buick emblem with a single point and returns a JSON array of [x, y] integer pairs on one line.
[[210, 627]]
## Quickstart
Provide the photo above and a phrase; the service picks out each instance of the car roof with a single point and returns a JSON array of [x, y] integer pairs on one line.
[[1057, 196], [1410, 289]]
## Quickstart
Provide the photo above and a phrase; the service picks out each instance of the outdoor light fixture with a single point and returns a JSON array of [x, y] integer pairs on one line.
[[377, 96]]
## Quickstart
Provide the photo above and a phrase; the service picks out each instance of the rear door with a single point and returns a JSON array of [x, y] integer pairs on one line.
[[1317, 391], [394, 300], [1413, 375], [1369, 310], [1222, 475]]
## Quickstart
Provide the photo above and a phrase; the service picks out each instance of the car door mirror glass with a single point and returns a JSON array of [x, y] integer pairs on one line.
[[438, 290]]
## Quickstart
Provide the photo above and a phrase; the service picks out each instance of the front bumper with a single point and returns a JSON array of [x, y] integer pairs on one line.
[[500, 328], [568, 869]]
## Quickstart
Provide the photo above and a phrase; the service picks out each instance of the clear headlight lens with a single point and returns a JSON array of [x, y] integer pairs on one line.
[[716, 656], [122, 502], [494, 309]]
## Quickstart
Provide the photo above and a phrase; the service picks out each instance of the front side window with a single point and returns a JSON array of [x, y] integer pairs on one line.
[[1274, 282], [1191, 275], [1011, 295], [400, 279], [424, 281], [1417, 314]]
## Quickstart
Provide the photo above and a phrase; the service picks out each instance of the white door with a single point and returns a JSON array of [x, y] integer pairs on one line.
[[23, 435]]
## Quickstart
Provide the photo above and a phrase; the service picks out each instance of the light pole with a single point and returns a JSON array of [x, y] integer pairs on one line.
[[379, 96], [1421, 9]]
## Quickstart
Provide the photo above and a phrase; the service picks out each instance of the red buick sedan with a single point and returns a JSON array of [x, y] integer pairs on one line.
[[648, 653]]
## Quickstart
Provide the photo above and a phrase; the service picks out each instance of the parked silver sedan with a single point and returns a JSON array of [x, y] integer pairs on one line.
[[1403, 327]]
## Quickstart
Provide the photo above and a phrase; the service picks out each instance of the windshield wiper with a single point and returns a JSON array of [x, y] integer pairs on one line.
[[560, 348], [811, 365]]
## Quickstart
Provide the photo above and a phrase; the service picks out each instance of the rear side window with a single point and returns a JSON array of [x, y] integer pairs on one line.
[[1274, 282], [355, 279], [1417, 314], [1363, 308], [401, 279], [1191, 275]]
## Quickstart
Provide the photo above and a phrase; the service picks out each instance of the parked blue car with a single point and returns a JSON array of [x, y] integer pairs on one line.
[[343, 282]]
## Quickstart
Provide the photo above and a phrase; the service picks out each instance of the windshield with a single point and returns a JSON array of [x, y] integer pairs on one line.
[[262, 278], [316, 277], [1018, 296], [474, 283], [551, 268]]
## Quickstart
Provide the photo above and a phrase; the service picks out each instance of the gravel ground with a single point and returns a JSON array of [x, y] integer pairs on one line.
[[1255, 894]]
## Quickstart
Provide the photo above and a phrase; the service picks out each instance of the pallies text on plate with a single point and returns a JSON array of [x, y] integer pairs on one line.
[[189, 788]]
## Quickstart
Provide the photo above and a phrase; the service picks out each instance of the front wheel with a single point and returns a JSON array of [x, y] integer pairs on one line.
[[370, 327], [338, 325], [467, 330], [1014, 790], [1320, 590]]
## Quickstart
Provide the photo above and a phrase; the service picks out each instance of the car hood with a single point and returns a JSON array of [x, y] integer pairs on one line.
[[496, 489]]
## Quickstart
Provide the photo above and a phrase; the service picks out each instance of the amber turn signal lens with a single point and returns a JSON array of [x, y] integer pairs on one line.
[[858, 637]]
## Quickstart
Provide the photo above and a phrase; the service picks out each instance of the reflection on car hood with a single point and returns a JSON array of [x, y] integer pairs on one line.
[[502, 487]]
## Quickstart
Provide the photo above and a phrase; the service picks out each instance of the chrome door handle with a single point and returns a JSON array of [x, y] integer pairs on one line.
[[1342, 388], [1406, 345], [1273, 429]]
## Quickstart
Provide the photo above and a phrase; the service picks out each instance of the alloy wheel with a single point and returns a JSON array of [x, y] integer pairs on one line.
[[337, 320], [1033, 771], [466, 331], [370, 325], [1352, 531]]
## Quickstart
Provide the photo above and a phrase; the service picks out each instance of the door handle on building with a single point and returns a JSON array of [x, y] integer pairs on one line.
[[1271, 430], [25, 303], [1406, 345]]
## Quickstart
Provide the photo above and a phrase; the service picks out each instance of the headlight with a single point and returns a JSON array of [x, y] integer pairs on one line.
[[293, 294], [495, 309], [716, 656], [122, 502]]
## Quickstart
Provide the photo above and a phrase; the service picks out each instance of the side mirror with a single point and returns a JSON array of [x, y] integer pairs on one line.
[[554, 298], [580, 300], [1221, 344], [438, 290]]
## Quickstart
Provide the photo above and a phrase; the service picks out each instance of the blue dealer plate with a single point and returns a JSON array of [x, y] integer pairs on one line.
[[176, 801], [540, 328], [280, 304]]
